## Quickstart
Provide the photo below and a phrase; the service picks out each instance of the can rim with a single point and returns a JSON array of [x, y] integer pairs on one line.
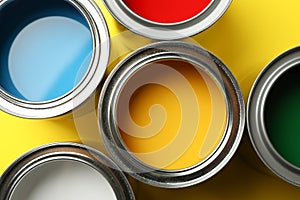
[[88, 84], [255, 116], [65, 151], [171, 178], [167, 31]]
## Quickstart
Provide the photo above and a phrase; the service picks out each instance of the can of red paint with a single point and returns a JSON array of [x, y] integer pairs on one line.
[[168, 19]]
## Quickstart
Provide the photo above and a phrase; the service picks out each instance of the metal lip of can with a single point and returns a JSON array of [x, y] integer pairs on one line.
[[88, 84], [255, 116], [161, 177], [67, 151], [167, 31]]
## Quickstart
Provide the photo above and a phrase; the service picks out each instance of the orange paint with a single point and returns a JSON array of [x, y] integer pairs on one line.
[[167, 11], [171, 115]]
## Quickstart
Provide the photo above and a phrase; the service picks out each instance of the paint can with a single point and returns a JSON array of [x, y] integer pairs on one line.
[[171, 114], [53, 55], [272, 116], [64, 171], [159, 20]]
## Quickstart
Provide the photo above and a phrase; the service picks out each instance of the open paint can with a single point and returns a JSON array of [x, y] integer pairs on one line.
[[53, 55], [64, 171], [273, 116], [168, 19], [171, 114]]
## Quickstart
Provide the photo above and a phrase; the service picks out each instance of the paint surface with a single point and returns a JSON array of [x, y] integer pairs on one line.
[[171, 115], [45, 51], [282, 116], [167, 11], [63, 180]]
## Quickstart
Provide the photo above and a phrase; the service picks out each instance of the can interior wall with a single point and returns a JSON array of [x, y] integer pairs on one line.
[[130, 142], [177, 110]]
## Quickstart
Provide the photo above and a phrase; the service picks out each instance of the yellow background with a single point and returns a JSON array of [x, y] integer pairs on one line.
[[246, 38]]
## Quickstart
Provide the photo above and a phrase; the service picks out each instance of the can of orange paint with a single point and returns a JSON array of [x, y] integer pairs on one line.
[[171, 114]]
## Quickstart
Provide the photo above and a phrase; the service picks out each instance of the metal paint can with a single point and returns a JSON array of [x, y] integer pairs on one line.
[[208, 125], [64, 170], [53, 56], [272, 116], [167, 30]]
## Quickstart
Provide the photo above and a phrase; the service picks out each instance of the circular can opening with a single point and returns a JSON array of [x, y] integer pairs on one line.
[[63, 179], [167, 11], [171, 114], [49, 55]]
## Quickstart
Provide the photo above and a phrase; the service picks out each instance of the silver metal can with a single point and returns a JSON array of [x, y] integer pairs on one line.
[[61, 171], [169, 30], [272, 116], [217, 105], [55, 52]]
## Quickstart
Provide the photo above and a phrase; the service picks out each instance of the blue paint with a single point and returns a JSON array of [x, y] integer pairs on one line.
[[45, 50]]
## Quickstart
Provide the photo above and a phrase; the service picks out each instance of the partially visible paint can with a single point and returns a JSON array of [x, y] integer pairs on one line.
[[168, 19], [64, 171], [273, 116], [171, 114], [53, 55]]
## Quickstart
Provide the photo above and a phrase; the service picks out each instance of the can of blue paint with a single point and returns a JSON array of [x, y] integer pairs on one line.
[[53, 55]]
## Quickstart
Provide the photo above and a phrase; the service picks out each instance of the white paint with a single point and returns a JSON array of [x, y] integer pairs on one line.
[[63, 180]]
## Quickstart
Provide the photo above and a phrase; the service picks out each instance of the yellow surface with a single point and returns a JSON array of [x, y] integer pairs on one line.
[[177, 120], [246, 38]]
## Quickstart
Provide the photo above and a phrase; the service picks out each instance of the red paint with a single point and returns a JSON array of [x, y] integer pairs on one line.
[[167, 11]]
